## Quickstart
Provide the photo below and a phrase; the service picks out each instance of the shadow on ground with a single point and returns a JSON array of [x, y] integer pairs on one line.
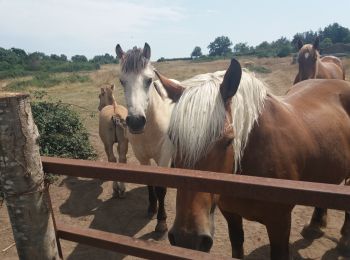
[[120, 216]]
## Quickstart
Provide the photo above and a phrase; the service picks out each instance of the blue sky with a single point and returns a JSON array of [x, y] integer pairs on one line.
[[172, 28]]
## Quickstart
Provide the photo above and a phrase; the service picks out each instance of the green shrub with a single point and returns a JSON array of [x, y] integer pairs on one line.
[[61, 131]]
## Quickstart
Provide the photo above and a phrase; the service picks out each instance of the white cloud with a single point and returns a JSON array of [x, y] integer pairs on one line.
[[88, 22]]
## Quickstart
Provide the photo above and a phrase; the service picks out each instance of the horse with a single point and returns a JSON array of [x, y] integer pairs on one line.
[[149, 109], [230, 122], [112, 129], [311, 66]]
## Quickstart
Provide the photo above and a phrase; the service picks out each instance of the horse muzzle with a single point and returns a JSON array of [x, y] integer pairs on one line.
[[136, 124], [199, 242]]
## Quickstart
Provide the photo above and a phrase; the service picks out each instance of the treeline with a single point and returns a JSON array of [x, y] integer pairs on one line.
[[16, 62], [221, 47], [283, 47]]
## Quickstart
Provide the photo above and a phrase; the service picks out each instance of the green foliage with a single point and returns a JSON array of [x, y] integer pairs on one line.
[[79, 58], [104, 59], [326, 43], [242, 48], [197, 52], [61, 131], [15, 62], [46, 80], [221, 46]]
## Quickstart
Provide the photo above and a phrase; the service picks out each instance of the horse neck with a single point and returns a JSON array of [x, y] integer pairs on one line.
[[158, 112]]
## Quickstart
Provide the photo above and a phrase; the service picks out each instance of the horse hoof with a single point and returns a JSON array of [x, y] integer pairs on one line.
[[311, 232], [344, 246], [161, 227]]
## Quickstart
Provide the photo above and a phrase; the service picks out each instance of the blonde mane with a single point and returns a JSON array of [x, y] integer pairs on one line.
[[198, 118]]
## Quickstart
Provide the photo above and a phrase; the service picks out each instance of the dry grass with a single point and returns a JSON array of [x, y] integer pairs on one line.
[[86, 94]]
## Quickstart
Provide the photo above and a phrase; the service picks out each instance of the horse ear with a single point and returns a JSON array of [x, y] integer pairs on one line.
[[231, 80], [316, 44], [173, 89], [102, 90], [119, 51], [147, 51], [300, 44]]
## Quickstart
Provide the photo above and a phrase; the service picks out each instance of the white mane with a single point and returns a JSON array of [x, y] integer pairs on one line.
[[198, 118]]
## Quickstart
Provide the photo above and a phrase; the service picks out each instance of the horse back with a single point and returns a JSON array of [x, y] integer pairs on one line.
[[335, 66], [304, 136]]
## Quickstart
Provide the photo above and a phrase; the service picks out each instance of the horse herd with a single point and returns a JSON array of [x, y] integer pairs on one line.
[[230, 122]]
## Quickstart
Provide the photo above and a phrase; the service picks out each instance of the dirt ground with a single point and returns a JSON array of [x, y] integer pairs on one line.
[[89, 203]]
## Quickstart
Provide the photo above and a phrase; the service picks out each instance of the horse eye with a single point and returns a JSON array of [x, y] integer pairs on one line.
[[148, 82]]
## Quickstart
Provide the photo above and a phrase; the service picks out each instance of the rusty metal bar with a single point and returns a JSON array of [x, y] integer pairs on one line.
[[128, 245], [248, 187]]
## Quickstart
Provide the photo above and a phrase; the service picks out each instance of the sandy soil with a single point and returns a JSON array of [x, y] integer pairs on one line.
[[88, 203]]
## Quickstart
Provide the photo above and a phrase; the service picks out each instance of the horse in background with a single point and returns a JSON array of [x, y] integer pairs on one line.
[[149, 111], [311, 66], [112, 129], [230, 122]]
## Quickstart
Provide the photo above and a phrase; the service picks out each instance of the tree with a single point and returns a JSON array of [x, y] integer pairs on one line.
[[79, 58], [197, 52], [336, 33], [327, 42], [221, 46], [241, 48]]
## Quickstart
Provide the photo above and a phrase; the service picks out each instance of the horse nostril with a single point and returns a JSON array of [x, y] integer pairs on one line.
[[171, 238], [205, 243]]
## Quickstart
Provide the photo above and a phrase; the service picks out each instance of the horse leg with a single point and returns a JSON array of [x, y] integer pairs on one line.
[[152, 207], [112, 158], [278, 229], [344, 242], [122, 151], [318, 221], [236, 233], [161, 216]]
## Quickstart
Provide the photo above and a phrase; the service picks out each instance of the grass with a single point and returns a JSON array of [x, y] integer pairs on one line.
[[46, 80]]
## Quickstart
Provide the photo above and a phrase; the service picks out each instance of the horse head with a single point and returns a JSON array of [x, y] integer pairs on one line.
[[211, 151], [307, 57], [136, 78], [106, 96]]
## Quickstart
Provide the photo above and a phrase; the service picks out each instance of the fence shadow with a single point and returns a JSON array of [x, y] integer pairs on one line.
[[120, 216], [263, 252]]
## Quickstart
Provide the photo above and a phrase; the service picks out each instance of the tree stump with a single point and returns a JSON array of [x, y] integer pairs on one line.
[[22, 180]]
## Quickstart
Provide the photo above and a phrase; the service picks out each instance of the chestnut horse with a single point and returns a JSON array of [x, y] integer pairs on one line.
[[149, 111], [311, 66], [112, 129], [230, 122]]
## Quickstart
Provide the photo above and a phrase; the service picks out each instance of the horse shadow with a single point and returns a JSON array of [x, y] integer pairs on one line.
[[263, 252], [119, 216]]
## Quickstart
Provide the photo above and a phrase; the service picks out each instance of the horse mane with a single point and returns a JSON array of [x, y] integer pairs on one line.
[[201, 102], [134, 61]]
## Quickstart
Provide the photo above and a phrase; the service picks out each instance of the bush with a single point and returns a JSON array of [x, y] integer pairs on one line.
[[61, 131]]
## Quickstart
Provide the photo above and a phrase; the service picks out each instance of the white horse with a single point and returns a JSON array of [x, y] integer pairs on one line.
[[149, 111]]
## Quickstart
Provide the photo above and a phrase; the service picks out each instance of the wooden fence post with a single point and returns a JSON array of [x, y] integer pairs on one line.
[[22, 180]]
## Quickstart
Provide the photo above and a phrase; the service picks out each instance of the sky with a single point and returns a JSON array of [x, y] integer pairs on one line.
[[171, 28]]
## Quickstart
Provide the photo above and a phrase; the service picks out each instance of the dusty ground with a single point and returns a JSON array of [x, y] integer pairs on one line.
[[88, 203]]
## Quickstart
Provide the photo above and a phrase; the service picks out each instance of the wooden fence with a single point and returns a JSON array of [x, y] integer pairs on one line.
[[267, 189]]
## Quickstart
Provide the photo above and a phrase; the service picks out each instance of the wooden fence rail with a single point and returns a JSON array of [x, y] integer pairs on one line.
[[249, 187]]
